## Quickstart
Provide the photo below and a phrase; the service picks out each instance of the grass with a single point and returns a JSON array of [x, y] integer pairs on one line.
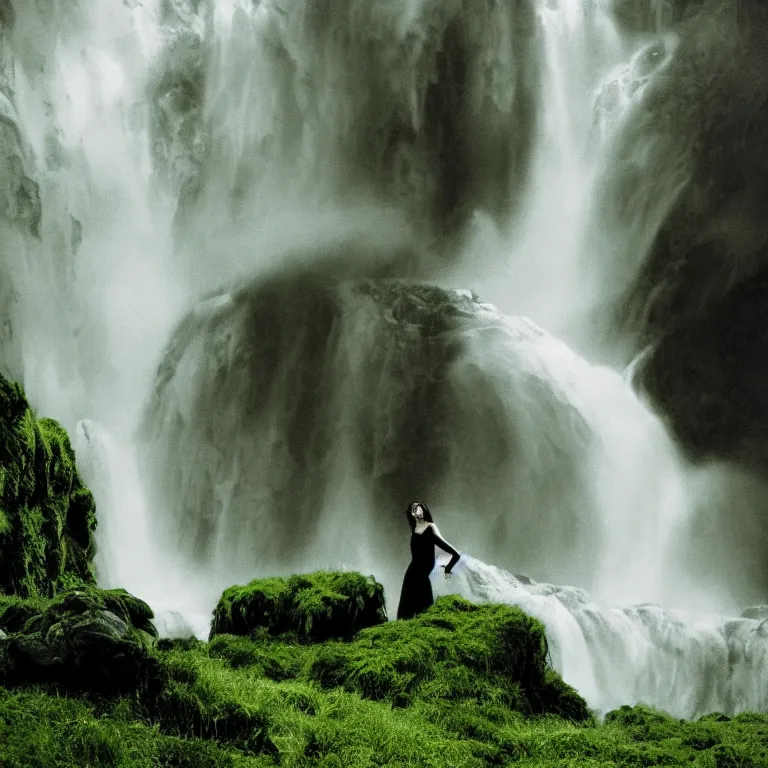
[[38, 729], [460, 686], [296, 725], [454, 651]]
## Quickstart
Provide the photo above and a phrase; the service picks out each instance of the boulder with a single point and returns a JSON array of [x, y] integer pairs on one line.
[[315, 607], [84, 639], [47, 515]]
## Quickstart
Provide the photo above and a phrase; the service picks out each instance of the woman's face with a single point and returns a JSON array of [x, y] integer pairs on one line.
[[417, 512]]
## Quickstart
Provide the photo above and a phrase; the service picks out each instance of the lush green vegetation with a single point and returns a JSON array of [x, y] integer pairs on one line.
[[460, 685], [83, 639], [315, 607], [47, 516], [296, 725]]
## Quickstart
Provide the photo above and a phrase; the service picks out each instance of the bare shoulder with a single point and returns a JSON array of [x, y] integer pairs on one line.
[[435, 529]]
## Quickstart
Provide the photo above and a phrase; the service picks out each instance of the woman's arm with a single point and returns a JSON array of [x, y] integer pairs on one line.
[[444, 545]]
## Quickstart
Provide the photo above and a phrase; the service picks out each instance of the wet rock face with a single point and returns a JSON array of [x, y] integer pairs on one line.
[[652, 15], [175, 121], [293, 421], [690, 190], [429, 107], [759, 612], [37, 214], [709, 377], [85, 639]]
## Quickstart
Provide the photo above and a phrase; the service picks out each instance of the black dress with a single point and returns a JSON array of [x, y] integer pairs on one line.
[[416, 594]]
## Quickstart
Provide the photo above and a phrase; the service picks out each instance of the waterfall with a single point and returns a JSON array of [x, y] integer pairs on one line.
[[686, 663], [235, 236], [403, 391]]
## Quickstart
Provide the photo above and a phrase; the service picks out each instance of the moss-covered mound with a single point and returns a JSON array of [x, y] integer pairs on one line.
[[315, 607], [294, 722], [84, 639], [459, 675], [460, 686], [455, 651], [47, 516]]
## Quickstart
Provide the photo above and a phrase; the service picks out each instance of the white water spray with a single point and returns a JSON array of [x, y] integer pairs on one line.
[[683, 662]]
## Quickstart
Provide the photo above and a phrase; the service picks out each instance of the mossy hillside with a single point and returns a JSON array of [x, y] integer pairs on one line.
[[459, 680], [37, 729], [257, 701], [315, 606], [456, 650], [490, 653], [303, 728], [47, 516], [295, 722]]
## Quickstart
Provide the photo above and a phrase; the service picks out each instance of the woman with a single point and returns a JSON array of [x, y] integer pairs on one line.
[[416, 594]]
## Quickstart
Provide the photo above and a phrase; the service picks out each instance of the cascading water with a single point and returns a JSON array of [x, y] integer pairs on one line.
[[282, 159], [687, 663]]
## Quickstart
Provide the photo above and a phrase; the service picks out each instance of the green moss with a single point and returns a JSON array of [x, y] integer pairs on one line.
[[81, 640], [296, 723], [314, 607], [15, 612], [18, 614], [213, 706], [47, 517], [454, 651], [644, 723], [276, 661], [449, 687]]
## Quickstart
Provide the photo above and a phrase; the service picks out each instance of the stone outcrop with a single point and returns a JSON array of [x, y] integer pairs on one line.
[[84, 639], [688, 191], [315, 607], [47, 515]]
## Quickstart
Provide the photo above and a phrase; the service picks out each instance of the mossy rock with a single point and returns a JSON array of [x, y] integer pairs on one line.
[[644, 723], [454, 651], [15, 612], [47, 516], [313, 607], [84, 639]]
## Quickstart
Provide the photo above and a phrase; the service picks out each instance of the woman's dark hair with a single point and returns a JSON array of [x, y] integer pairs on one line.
[[427, 513]]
